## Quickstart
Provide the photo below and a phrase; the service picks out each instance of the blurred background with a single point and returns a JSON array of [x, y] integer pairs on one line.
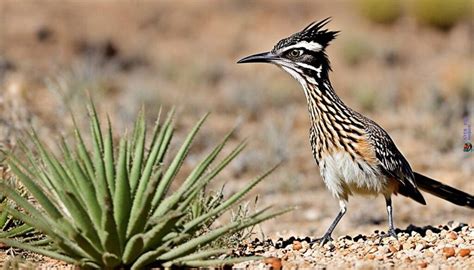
[[408, 65]]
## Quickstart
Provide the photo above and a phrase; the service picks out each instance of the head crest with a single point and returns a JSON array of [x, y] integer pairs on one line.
[[312, 34]]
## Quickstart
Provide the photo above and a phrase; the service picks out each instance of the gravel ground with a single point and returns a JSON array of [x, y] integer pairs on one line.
[[448, 246]]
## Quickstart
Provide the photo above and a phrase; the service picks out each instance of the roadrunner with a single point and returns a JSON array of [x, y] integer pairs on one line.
[[354, 154]]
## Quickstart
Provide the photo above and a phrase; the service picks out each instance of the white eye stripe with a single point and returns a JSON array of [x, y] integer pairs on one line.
[[318, 70], [310, 46]]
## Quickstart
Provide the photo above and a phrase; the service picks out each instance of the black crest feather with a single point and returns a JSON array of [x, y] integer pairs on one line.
[[313, 32]]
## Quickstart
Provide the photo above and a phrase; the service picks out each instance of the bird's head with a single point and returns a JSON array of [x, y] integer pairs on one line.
[[300, 53]]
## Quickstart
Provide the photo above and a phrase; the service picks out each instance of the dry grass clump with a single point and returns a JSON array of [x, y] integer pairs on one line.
[[441, 14], [380, 11]]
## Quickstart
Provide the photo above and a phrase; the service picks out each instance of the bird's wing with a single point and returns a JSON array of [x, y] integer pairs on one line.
[[392, 162]]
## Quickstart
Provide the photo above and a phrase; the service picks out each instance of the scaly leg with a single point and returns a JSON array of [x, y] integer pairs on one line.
[[327, 236], [391, 228]]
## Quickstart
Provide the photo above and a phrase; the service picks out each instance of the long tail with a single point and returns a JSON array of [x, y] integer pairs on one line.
[[443, 191]]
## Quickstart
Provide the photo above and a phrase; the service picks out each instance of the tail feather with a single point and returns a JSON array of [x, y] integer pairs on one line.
[[443, 191]]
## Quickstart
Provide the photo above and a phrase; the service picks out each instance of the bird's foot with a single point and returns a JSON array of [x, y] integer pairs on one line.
[[323, 240], [390, 233]]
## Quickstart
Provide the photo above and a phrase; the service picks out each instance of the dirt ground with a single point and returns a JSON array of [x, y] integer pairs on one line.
[[415, 81]]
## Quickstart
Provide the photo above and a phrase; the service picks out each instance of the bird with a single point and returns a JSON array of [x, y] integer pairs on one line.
[[355, 155]]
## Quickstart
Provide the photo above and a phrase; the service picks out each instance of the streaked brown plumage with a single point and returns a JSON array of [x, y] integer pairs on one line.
[[354, 154]]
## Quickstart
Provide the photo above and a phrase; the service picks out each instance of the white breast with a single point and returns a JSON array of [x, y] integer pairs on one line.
[[343, 176]]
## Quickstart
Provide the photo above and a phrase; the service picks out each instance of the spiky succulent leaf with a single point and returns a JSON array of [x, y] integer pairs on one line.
[[105, 205]]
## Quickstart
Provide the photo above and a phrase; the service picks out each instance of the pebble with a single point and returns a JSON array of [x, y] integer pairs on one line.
[[370, 256], [419, 247], [275, 263], [392, 248], [297, 245], [443, 247], [448, 252], [453, 235], [429, 254], [464, 252], [407, 246], [423, 264]]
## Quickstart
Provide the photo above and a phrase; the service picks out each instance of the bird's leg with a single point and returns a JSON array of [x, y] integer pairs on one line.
[[327, 236], [391, 229]]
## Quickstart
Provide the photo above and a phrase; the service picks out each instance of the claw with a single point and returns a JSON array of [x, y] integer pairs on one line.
[[323, 240], [390, 233]]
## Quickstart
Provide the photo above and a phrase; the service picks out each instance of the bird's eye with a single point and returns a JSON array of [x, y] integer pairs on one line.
[[296, 53]]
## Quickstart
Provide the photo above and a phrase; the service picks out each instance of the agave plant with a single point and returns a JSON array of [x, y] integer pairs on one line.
[[9, 226], [108, 206]]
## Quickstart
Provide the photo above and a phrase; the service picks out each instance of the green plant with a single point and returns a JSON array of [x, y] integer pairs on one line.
[[105, 206], [9, 226], [440, 13], [380, 11], [356, 50]]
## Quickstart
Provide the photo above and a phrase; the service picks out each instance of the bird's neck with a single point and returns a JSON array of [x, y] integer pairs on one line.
[[323, 102]]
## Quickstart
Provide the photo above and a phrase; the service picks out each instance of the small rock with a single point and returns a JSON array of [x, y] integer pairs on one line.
[[305, 244], [452, 235], [448, 252], [370, 256], [464, 252], [429, 253], [297, 245], [274, 262], [407, 246], [419, 247], [423, 264], [392, 248]]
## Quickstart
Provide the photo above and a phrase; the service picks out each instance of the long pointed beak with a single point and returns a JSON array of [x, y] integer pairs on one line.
[[265, 57]]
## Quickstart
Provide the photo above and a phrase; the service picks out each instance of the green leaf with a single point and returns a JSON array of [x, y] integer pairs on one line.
[[153, 158], [83, 221], [219, 262], [35, 190], [111, 238], [111, 260], [141, 207], [170, 202], [204, 254], [229, 202], [41, 221], [98, 147], [191, 245], [139, 144], [109, 158], [122, 197], [162, 227], [149, 256], [39, 250], [87, 192], [176, 164], [133, 248], [17, 231]]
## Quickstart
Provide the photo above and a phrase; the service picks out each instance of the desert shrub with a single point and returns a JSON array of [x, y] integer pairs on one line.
[[103, 205], [366, 97], [440, 13], [356, 50], [380, 11]]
